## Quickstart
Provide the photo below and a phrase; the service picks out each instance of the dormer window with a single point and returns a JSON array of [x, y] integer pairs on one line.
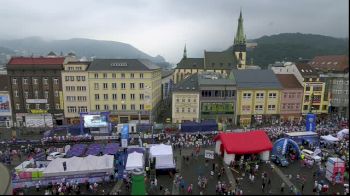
[[122, 64], [302, 70]]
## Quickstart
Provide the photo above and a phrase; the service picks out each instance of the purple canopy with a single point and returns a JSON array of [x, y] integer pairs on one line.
[[77, 150], [94, 149], [111, 148]]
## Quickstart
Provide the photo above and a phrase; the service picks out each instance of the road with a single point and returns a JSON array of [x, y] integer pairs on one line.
[[5, 181]]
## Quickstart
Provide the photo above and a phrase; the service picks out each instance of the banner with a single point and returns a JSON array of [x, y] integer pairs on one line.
[[310, 122], [209, 154]]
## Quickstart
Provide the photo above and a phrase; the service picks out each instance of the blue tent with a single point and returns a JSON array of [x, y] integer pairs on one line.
[[280, 147]]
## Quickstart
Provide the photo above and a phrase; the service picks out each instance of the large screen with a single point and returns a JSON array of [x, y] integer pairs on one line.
[[95, 120]]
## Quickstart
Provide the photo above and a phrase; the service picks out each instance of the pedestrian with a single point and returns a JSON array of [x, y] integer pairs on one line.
[[302, 187], [282, 187]]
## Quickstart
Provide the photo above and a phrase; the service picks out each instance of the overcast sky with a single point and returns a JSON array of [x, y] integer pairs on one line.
[[164, 26]]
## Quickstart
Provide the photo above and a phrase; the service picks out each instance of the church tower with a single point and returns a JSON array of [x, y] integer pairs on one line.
[[185, 53], [239, 45]]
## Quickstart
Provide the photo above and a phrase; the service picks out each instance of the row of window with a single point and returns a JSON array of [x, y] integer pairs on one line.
[[259, 95], [341, 82], [76, 98], [246, 108], [218, 93], [315, 107], [78, 68], [37, 106], [338, 100], [114, 86], [188, 110], [78, 88], [115, 107], [73, 109], [114, 75], [338, 92], [315, 88], [183, 100], [36, 94], [71, 78], [291, 106], [291, 95], [34, 81], [115, 96]]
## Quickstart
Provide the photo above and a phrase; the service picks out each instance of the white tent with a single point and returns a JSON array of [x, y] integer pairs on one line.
[[80, 165], [342, 133], [134, 161], [329, 138], [164, 156]]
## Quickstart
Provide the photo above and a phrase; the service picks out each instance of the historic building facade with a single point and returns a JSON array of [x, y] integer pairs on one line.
[[258, 97], [334, 70], [130, 89], [75, 86], [291, 97], [36, 87]]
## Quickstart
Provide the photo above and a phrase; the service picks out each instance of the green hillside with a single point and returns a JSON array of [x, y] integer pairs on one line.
[[291, 46]]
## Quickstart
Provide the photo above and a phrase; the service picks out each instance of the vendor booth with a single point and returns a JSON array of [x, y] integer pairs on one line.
[[135, 161], [80, 165], [253, 142], [164, 156]]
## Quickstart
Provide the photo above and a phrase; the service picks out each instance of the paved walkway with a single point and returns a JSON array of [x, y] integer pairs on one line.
[[175, 189], [116, 187], [284, 178], [5, 181], [230, 176]]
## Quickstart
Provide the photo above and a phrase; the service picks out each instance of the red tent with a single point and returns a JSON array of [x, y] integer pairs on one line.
[[251, 142]]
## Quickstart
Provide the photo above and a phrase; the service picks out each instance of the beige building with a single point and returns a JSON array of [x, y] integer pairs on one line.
[[75, 90], [185, 100], [130, 89]]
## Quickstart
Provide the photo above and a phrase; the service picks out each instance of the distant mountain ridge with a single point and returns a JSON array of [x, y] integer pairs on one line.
[[80, 46], [292, 46]]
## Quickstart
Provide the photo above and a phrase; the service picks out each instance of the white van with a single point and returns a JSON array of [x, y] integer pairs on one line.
[[310, 155]]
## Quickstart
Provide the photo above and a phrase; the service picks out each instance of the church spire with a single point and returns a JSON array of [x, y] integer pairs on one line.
[[185, 53], [240, 37]]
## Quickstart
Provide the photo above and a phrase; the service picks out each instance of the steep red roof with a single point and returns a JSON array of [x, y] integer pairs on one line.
[[36, 60], [251, 142], [330, 63], [289, 81]]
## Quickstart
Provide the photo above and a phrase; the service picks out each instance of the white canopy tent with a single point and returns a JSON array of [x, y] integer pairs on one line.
[[164, 156], [80, 165], [135, 161], [329, 138], [342, 133]]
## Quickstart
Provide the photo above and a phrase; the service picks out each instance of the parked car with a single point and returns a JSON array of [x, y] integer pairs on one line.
[[55, 155], [311, 155], [279, 160]]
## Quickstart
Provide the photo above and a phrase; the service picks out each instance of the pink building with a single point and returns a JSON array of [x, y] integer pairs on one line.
[[291, 97]]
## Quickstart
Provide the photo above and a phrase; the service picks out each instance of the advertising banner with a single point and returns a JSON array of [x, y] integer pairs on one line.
[[125, 132], [96, 120], [4, 104], [310, 122]]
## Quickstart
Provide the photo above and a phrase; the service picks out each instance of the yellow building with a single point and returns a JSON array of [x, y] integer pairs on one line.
[[316, 98], [185, 101], [75, 88], [129, 88], [258, 96]]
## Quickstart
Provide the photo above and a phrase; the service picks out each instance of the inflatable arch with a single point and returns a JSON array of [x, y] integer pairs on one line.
[[280, 146]]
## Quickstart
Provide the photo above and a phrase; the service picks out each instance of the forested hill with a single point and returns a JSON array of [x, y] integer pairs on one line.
[[291, 46]]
